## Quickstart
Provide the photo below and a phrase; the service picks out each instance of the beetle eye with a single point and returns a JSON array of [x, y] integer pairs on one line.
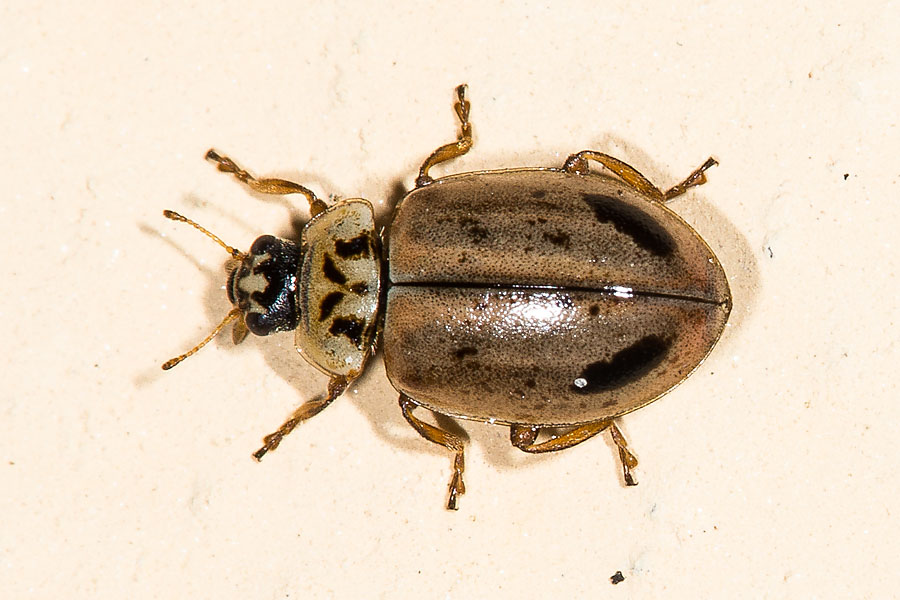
[[260, 324]]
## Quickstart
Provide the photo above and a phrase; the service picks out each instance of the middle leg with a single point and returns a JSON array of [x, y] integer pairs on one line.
[[450, 151], [445, 439]]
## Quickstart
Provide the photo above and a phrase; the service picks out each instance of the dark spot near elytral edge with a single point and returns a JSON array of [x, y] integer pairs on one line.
[[538, 194], [530, 383], [354, 248], [331, 272], [326, 306], [594, 310], [477, 232], [626, 365], [464, 352], [633, 222], [560, 238], [349, 327]]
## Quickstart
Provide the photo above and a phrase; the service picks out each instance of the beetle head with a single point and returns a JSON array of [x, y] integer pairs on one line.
[[262, 286]]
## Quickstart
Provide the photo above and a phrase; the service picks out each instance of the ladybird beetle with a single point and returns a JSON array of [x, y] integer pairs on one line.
[[547, 300]]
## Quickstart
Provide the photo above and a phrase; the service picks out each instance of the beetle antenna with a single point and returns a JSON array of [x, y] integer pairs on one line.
[[234, 252], [234, 313]]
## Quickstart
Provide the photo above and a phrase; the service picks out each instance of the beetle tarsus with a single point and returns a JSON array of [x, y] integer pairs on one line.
[[457, 486], [698, 177], [455, 149]]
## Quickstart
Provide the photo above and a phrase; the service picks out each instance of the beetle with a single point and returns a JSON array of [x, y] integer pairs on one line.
[[548, 300]]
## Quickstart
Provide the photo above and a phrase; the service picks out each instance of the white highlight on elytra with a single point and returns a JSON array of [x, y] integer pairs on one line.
[[620, 291]]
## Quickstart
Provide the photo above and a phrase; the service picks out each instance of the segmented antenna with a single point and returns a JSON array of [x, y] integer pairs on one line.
[[234, 314]]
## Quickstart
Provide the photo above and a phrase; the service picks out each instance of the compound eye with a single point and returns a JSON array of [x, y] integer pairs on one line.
[[260, 324], [265, 244]]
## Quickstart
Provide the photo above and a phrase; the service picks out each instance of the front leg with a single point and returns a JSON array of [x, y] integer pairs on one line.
[[278, 187], [305, 411]]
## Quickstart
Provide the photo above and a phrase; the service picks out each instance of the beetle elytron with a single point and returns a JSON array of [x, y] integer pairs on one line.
[[543, 299]]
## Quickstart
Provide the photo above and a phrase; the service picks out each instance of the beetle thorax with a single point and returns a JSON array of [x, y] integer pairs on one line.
[[340, 282]]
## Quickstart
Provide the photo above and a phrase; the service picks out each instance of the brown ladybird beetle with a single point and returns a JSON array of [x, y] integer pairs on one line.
[[544, 299]]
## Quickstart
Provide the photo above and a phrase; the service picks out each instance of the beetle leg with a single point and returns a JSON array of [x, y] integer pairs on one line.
[[629, 460], [577, 163], [279, 187], [523, 437], [450, 151], [698, 177], [307, 410], [445, 439]]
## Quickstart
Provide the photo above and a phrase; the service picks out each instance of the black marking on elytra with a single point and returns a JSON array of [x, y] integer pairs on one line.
[[357, 247], [560, 238], [465, 351], [538, 194], [360, 288], [477, 232], [331, 272], [326, 306], [594, 310], [350, 327], [633, 222], [626, 365]]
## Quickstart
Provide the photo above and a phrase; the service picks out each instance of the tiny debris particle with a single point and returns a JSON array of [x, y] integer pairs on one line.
[[846, 175], [617, 578]]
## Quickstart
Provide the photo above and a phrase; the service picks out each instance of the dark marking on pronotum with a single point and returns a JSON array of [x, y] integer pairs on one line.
[[357, 247], [331, 272], [633, 222], [626, 365], [359, 288], [349, 327], [464, 352], [326, 306]]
